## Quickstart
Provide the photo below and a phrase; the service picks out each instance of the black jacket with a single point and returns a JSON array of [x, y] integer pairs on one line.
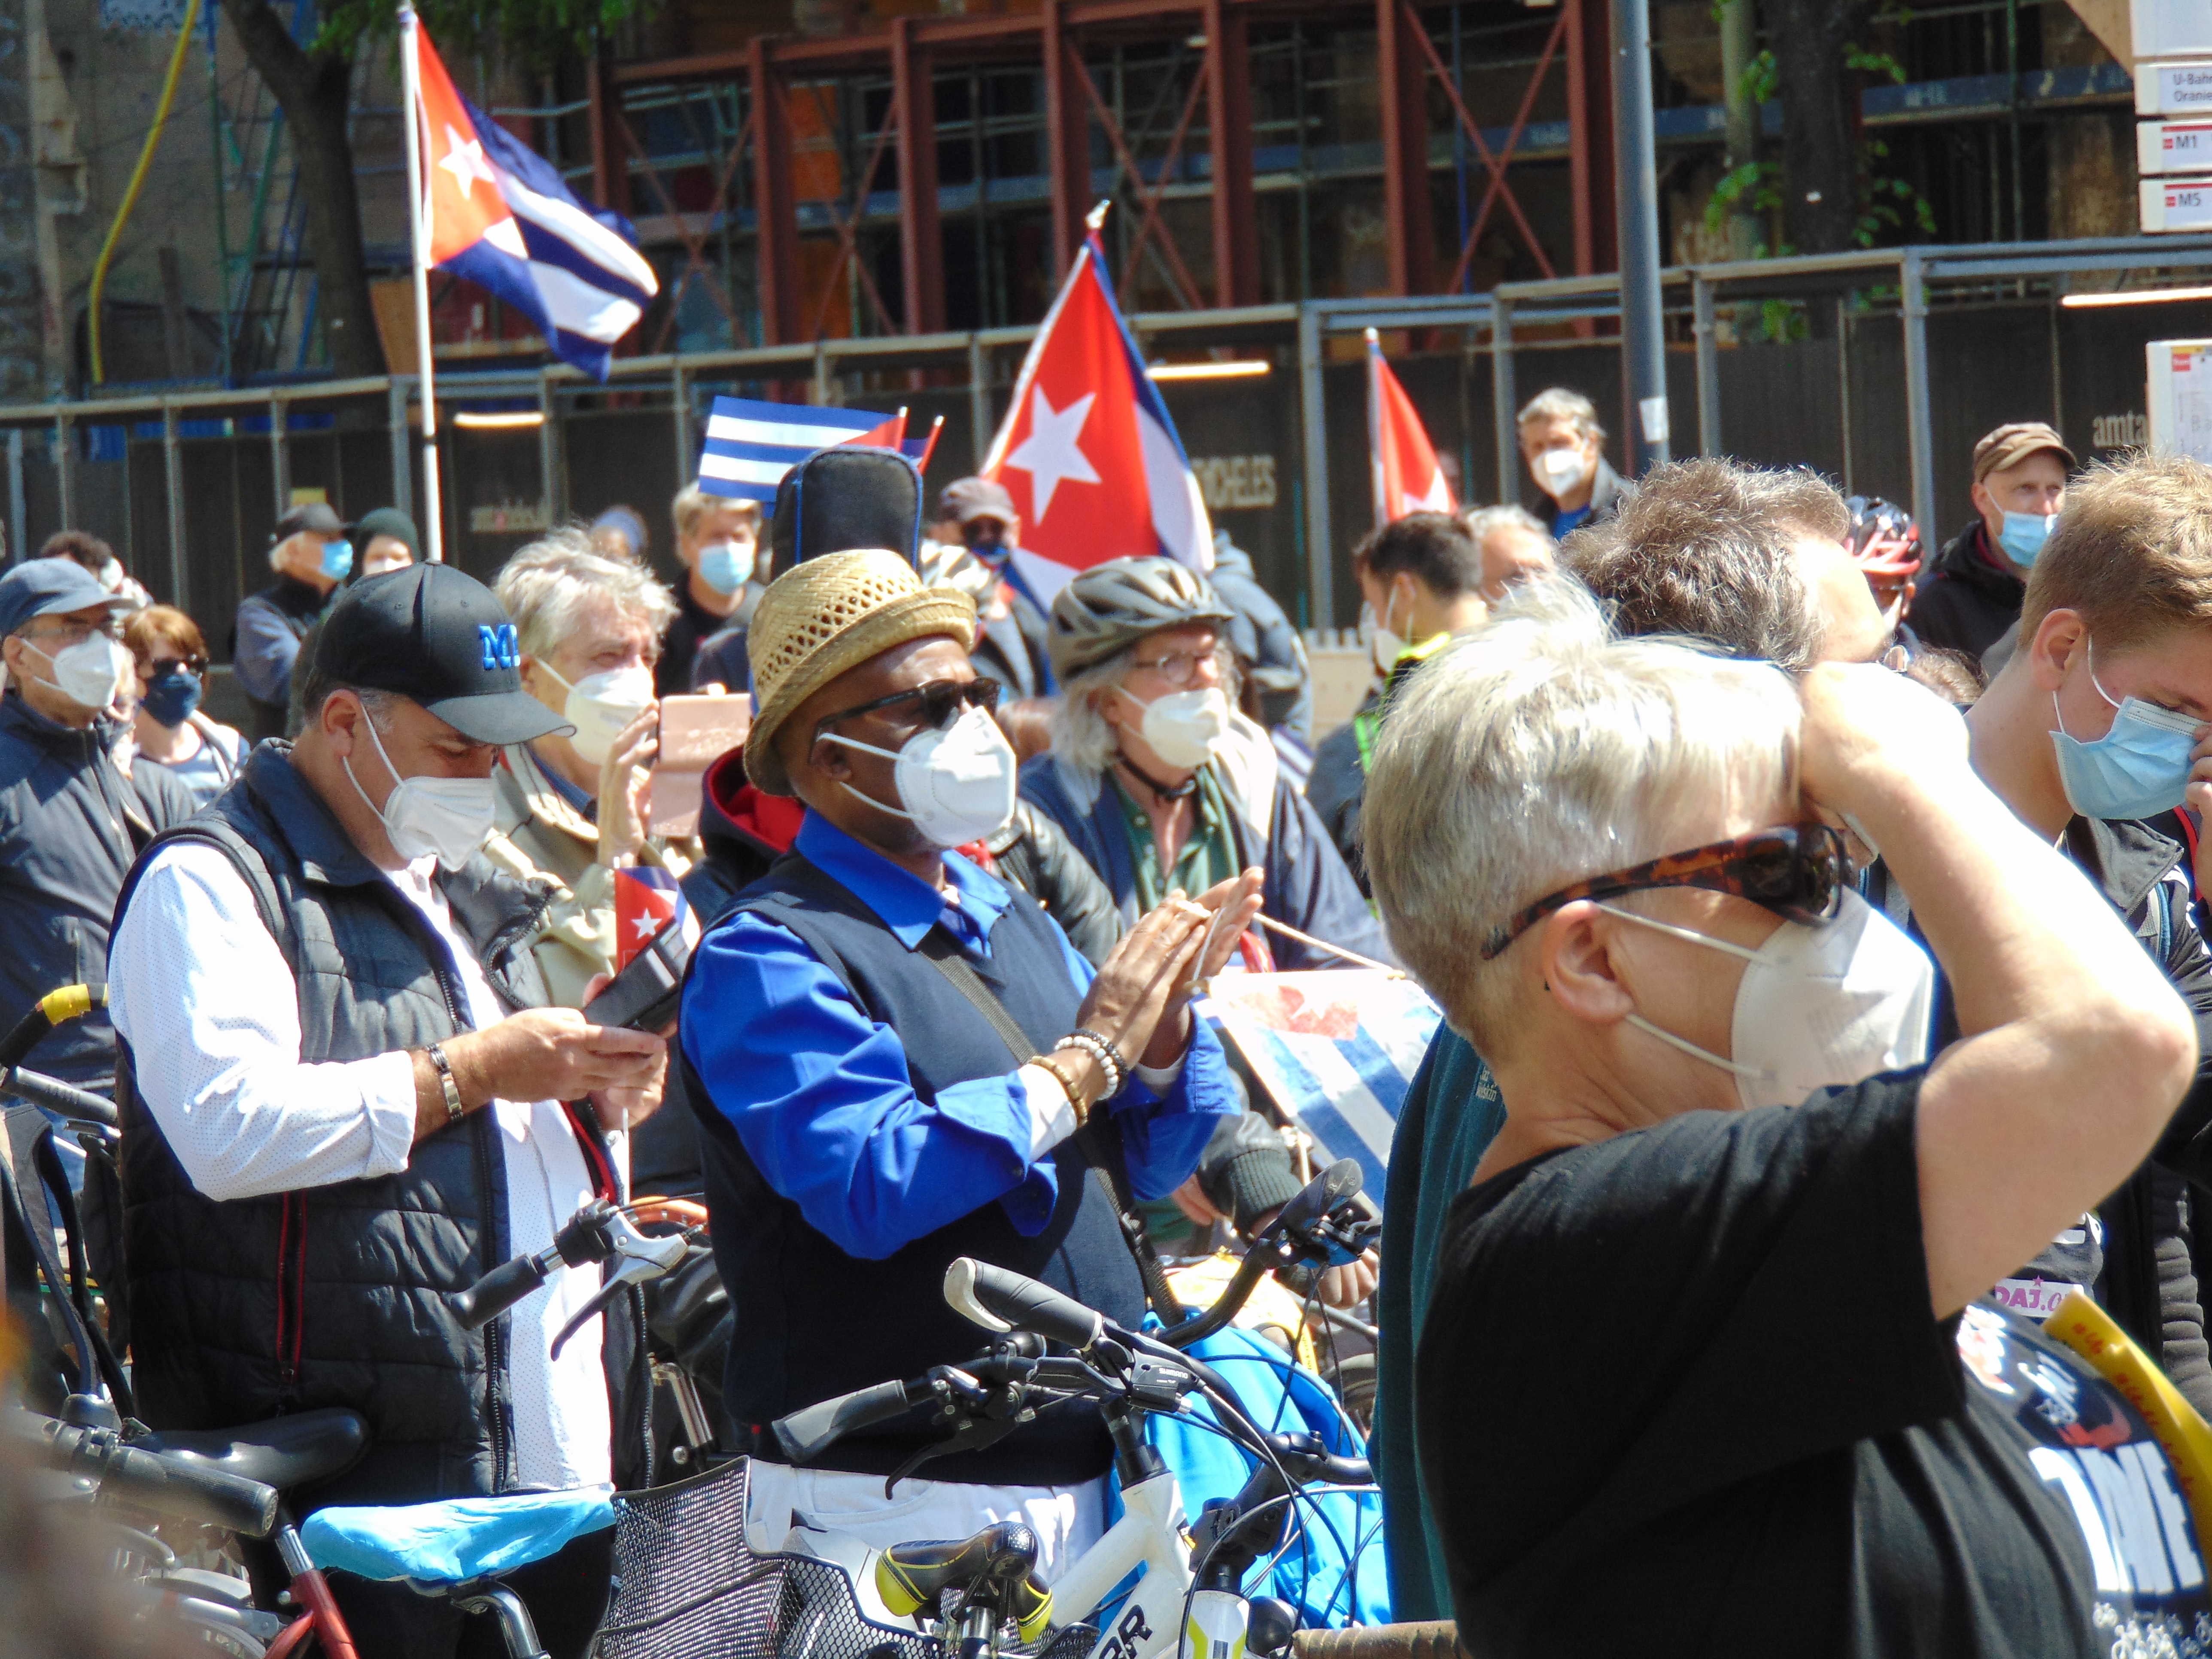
[[70, 824], [2148, 1282], [1972, 598], [337, 1295]]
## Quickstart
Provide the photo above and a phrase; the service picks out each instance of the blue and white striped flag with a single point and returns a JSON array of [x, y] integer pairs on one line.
[[1338, 1052], [750, 445]]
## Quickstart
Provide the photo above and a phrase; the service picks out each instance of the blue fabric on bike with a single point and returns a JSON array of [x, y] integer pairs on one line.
[[1451, 1114], [861, 1126], [842, 1139], [1341, 1529], [459, 1539]]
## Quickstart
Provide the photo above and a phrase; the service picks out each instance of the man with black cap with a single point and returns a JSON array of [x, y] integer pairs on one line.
[[70, 822], [1014, 630], [342, 1102], [311, 555]]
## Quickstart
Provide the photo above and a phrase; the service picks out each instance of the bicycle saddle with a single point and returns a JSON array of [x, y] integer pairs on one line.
[[284, 1452], [912, 1576]]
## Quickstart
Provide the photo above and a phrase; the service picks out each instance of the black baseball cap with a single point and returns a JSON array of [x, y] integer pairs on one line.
[[435, 635], [316, 516]]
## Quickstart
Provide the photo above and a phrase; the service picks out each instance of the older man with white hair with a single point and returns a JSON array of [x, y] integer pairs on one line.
[[1564, 446], [1742, 1221], [575, 808]]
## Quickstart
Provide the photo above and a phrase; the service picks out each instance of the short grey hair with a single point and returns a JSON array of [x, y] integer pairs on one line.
[[1558, 403], [1482, 522], [1707, 548], [1541, 749], [547, 586], [1082, 738]]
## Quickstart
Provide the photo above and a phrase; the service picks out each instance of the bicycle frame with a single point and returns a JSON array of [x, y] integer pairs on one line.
[[1148, 1534]]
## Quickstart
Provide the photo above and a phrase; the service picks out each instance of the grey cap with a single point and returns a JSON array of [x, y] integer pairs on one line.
[[315, 516], [50, 587], [976, 498]]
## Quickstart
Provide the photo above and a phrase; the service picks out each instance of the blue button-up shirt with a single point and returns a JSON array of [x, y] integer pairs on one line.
[[820, 1095]]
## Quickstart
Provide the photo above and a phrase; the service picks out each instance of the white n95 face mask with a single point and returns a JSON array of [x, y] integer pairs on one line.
[[956, 784], [1184, 727], [450, 817], [1817, 1007], [1561, 471], [89, 673], [600, 705]]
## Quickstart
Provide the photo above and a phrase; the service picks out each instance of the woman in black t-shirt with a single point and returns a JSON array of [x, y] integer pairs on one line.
[[1700, 1373]]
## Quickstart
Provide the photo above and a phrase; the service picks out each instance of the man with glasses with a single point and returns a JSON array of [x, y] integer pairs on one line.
[[1161, 784], [896, 1060], [71, 820]]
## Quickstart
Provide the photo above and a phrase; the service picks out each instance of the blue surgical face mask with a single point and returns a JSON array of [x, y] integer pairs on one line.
[[2024, 535], [338, 560], [725, 566], [2137, 770], [171, 695]]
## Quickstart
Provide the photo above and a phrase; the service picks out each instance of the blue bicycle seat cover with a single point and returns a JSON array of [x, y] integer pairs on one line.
[[456, 1539]]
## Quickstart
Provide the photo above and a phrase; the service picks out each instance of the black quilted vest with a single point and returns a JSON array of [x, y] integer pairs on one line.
[[335, 1295], [813, 1321]]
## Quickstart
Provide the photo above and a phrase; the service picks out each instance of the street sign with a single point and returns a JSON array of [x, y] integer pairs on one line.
[[2179, 396], [2163, 28], [2173, 147], [2173, 88], [2175, 203]]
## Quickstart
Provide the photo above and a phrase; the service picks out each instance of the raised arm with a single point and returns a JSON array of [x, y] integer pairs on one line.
[[2075, 1048]]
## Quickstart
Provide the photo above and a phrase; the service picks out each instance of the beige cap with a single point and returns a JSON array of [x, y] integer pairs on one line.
[[2008, 445], [825, 617]]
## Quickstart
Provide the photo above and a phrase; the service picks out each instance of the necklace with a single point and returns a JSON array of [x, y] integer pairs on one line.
[[1162, 792]]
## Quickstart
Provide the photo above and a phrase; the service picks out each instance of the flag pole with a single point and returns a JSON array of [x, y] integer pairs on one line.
[[1375, 428], [419, 238]]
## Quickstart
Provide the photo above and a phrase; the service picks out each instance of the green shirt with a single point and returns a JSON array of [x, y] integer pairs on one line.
[[1208, 857]]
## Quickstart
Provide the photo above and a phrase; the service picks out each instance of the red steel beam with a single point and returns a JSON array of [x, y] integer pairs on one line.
[[921, 238], [1408, 216], [1229, 119], [1068, 131], [609, 161], [1589, 136], [775, 201]]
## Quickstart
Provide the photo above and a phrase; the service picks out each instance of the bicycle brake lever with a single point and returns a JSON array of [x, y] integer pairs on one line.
[[641, 1260]]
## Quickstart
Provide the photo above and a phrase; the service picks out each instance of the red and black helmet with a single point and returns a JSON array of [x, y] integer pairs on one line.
[[1883, 539]]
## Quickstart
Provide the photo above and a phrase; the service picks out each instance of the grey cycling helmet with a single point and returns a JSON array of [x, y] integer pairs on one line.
[[1110, 606]]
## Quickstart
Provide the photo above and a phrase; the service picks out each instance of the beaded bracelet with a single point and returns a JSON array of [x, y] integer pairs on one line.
[[1110, 1061], [1068, 1085]]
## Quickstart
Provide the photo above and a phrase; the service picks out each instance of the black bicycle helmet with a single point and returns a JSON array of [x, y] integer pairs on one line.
[[1110, 606]]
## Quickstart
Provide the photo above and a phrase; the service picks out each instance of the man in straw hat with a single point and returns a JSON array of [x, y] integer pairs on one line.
[[867, 1115]]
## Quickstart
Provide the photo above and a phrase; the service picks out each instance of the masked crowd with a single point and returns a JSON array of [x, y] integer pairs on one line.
[[1818, 930]]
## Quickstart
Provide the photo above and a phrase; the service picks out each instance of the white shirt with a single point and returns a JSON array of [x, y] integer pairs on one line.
[[202, 993]]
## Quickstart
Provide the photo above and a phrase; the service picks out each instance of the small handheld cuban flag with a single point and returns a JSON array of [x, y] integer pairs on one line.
[[501, 214], [1337, 1051], [646, 900], [750, 443]]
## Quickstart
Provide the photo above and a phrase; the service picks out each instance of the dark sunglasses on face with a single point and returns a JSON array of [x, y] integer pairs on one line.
[[935, 704], [161, 665], [1799, 871]]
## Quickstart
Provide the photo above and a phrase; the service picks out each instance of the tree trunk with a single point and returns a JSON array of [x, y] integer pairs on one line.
[[314, 90], [1820, 119]]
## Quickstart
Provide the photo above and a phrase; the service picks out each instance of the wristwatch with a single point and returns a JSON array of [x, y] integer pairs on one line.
[[454, 1109]]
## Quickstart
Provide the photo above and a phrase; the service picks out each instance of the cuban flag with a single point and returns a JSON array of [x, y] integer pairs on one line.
[[1336, 1050], [1087, 450], [1408, 478], [750, 443], [646, 900], [501, 216]]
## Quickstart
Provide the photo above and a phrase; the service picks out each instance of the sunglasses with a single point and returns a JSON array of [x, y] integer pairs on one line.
[[193, 665], [1799, 871], [935, 703]]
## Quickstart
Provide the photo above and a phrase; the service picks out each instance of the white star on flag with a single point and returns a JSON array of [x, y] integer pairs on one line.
[[465, 161], [1049, 453], [647, 926], [1438, 499]]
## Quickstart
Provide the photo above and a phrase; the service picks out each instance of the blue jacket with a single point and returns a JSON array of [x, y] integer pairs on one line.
[[1307, 885]]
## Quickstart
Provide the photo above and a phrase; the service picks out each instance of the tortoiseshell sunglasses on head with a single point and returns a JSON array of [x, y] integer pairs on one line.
[[1798, 870]]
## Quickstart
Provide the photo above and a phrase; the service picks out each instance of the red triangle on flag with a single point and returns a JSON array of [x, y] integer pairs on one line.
[[1408, 478]]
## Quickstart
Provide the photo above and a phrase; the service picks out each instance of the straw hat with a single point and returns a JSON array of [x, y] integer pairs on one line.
[[829, 615]]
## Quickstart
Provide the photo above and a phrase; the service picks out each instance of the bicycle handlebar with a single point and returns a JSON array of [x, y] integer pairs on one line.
[[59, 1098], [156, 1481], [500, 1289], [1313, 1201], [1000, 1300], [55, 1008], [805, 1435]]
